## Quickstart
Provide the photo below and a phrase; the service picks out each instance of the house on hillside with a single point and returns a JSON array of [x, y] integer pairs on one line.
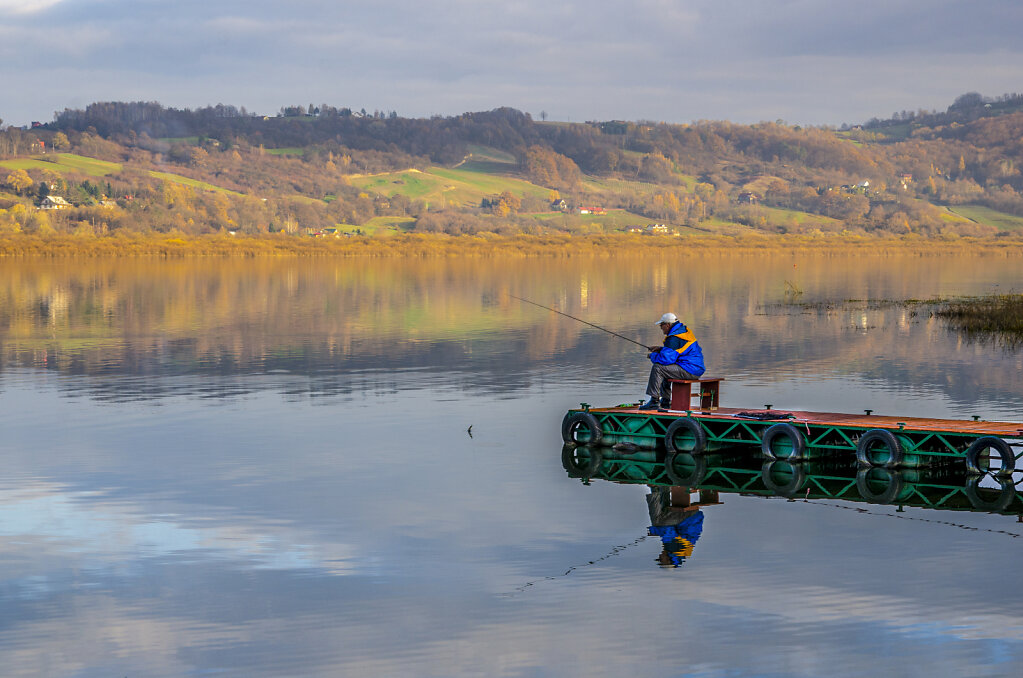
[[748, 198], [54, 202], [559, 204]]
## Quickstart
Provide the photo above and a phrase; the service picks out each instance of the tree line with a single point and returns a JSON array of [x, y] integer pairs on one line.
[[966, 155]]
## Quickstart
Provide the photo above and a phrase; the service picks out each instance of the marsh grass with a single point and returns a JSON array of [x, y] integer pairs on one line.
[[997, 318]]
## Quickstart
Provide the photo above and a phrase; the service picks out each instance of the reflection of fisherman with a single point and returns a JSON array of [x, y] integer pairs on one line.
[[678, 527], [679, 358]]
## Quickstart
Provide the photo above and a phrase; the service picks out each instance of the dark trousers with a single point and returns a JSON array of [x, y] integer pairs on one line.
[[658, 386]]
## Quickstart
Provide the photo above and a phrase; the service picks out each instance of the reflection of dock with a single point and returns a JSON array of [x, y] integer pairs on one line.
[[946, 487], [871, 439]]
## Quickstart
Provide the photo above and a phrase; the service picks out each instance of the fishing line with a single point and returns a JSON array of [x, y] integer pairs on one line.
[[602, 329]]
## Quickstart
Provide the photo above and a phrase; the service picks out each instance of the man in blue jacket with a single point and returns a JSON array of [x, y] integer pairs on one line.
[[680, 358], [678, 527]]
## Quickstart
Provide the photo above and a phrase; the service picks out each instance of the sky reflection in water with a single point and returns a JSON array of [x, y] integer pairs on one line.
[[263, 468]]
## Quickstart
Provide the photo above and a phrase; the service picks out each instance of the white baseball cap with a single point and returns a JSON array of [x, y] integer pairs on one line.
[[669, 318]]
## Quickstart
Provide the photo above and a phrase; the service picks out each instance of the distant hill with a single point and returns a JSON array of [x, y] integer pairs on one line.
[[965, 109], [334, 171]]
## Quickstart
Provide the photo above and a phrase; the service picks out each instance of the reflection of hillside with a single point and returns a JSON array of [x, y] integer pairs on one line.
[[318, 318]]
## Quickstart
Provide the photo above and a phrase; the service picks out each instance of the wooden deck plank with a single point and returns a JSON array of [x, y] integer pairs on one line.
[[1003, 429]]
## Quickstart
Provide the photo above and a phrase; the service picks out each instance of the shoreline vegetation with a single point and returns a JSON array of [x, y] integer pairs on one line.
[[177, 245], [997, 318], [993, 318]]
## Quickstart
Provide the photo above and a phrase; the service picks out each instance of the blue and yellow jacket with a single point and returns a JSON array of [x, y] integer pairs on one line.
[[678, 540], [680, 348]]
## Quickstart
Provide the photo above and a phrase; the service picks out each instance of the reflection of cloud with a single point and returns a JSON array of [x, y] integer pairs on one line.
[[83, 523], [26, 6], [241, 25], [832, 605]]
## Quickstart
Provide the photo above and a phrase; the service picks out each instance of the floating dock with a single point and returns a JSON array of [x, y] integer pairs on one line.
[[789, 435], [947, 488]]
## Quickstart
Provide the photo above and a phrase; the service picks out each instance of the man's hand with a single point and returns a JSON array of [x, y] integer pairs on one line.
[[653, 349]]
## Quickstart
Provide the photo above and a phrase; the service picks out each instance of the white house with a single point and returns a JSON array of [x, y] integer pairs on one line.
[[54, 202]]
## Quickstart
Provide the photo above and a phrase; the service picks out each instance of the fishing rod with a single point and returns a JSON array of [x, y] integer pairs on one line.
[[645, 347]]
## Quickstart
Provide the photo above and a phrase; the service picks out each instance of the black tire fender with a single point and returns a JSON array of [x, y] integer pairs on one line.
[[883, 437], [894, 484], [980, 445], [690, 479], [581, 462], [691, 427], [795, 436], [788, 489], [1006, 494], [574, 421]]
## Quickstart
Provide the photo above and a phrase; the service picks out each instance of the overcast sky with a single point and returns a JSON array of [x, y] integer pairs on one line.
[[802, 61]]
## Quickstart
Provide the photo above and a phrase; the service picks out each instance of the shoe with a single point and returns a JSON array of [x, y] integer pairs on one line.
[[652, 405], [665, 403]]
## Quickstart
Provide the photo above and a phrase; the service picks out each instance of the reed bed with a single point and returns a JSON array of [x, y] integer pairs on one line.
[[125, 244], [997, 318]]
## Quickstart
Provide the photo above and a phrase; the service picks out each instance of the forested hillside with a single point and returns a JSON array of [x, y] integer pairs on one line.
[[326, 170]]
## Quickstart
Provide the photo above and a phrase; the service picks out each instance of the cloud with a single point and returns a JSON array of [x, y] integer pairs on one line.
[[26, 6], [742, 60]]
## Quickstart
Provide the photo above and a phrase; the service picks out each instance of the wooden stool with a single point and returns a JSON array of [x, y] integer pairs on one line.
[[707, 391]]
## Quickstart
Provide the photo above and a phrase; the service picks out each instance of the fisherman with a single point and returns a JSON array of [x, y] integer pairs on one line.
[[679, 358], [679, 527]]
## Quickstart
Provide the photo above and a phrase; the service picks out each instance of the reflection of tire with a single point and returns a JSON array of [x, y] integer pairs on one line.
[[892, 484], [784, 487], [684, 469], [685, 435], [981, 446], [876, 441], [783, 441], [581, 462], [1006, 493], [581, 428]]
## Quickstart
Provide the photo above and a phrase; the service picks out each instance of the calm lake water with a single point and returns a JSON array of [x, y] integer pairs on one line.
[[252, 468]]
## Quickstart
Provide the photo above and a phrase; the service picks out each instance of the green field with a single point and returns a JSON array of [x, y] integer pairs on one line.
[[614, 219], [988, 216], [65, 162], [442, 186], [192, 183], [618, 186], [488, 160], [488, 154], [715, 225], [382, 226], [777, 216], [79, 164], [286, 151]]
